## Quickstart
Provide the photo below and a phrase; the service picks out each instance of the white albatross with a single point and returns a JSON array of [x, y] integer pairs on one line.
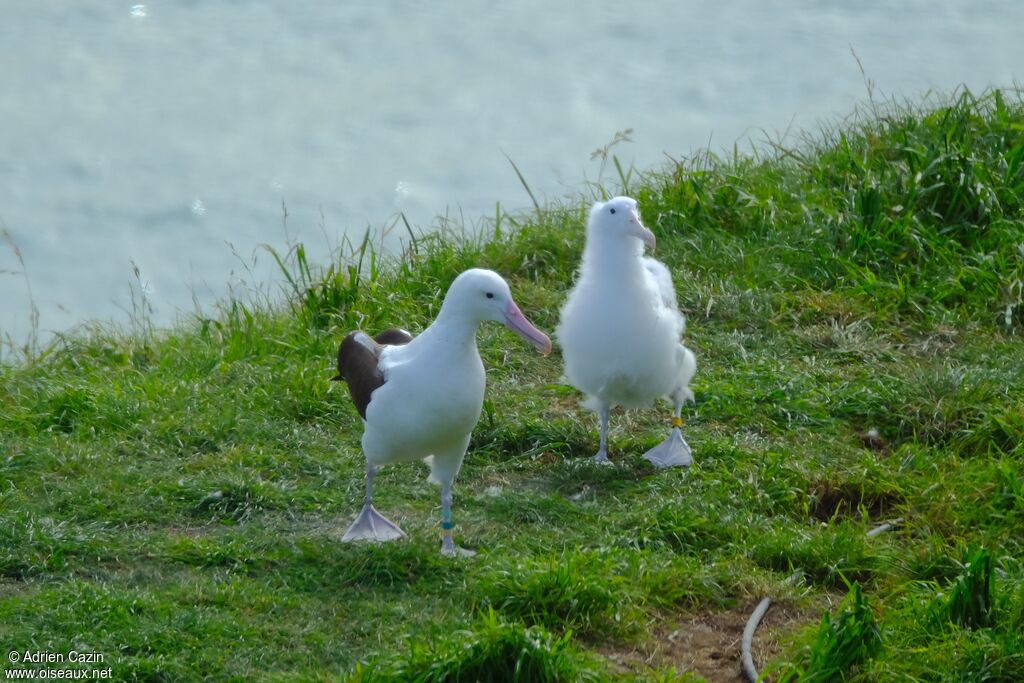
[[420, 397], [620, 328]]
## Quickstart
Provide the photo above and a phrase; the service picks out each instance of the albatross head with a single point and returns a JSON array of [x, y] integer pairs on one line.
[[619, 217], [484, 295]]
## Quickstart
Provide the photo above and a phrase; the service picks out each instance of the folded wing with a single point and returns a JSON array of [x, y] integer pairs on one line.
[[359, 362]]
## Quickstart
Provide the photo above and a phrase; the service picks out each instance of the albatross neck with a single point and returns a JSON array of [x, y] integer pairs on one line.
[[453, 331], [623, 257]]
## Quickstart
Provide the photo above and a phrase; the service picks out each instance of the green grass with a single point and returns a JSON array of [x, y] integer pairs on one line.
[[491, 651], [971, 595], [842, 644], [175, 499]]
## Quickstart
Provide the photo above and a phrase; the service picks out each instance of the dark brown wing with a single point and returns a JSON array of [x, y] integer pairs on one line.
[[358, 365], [394, 336]]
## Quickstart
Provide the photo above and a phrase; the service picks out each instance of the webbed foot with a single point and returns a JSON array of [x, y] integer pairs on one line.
[[370, 525], [672, 452]]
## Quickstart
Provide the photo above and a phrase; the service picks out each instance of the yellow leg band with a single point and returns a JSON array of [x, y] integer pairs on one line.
[[677, 422]]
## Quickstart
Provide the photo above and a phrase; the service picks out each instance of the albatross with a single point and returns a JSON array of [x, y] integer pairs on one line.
[[620, 328], [420, 397]]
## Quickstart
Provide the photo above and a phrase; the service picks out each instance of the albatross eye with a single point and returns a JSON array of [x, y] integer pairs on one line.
[[489, 295], [612, 210]]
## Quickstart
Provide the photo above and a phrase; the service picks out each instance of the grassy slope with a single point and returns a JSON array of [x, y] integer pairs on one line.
[[174, 501]]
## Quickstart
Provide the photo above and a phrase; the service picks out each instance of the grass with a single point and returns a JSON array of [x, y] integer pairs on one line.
[[842, 644], [174, 499], [492, 651], [971, 595]]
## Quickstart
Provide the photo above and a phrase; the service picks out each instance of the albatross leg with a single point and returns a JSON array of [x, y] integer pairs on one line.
[[673, 451], [602, 454], [448, 547], [370, 524]]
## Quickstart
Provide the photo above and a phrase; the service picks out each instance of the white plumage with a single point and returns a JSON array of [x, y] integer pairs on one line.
[[620, 328], [431, 392]]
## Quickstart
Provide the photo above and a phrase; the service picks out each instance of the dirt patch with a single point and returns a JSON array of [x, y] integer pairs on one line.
[[708, 643], [847, 499]]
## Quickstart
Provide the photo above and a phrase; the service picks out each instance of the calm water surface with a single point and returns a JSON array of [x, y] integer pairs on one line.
[[168, 133]]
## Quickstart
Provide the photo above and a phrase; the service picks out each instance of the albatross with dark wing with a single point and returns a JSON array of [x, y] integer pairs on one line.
[[420, 397]]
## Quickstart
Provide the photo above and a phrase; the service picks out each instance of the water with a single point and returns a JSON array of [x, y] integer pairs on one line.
[[160, 133]]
